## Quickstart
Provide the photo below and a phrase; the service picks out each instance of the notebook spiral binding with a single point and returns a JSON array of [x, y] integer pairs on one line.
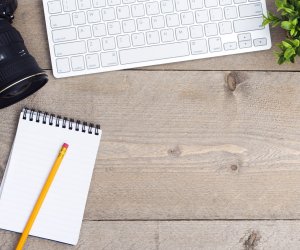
[[58, 121]]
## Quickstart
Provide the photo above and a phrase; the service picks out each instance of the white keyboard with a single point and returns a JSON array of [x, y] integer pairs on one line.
[[91, 36]]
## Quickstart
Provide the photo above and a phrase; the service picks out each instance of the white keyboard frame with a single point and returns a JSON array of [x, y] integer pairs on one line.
[[225, 38]]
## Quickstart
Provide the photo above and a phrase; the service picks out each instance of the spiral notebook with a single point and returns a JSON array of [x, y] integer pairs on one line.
[[38, 140]]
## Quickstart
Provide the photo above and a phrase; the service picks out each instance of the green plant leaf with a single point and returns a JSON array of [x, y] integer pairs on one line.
[[281, 60], [286, 44], [295, 22], [289, 53], [292, 32], [295, 42], [286, 25]]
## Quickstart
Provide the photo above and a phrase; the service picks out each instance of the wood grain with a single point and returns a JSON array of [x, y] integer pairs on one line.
[[175, 235], [181, 145], [191, 153], [30, 22]]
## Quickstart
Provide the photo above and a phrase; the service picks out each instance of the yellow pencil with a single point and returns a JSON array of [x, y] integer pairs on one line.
[[42, 197]]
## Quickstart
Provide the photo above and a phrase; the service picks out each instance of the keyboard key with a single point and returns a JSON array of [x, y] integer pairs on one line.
[[114, 28], [181, 5], [187, 18], [152, 8], [167, 6], [69, 5], [260, 42], [143, 24], [196, 31], [244, 37], [182, 33], [215, 44], [198, 47], [67, 49], [225, 2], [64, 35], [63, 65], [201, 16], [196, 4], [230, 46], [128, 1], [77, 63], [247, 10], [167, 35], [128, 26], [211, 3], [172, 20], [54, 7], [109, 59], [108, 14], [248, 24], [92, 61], [123, 41], [84, 32], [99, 30], [113, 2], [158, 22], [84, 4], [151, 53], [123, 12], [138, 10], [240, 1], [152, 37], [60, 21], [79, 18], [245, 44], [216, 14], [211, 29], [108, 43], [230, 12], [93, 16], [138, 39], [94, 45], [99, 3], [225, 28]]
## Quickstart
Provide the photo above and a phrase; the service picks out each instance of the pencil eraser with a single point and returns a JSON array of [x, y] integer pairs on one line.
[[65, 145]]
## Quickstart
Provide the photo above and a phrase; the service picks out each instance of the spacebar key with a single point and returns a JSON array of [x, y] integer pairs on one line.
[[158, 52]]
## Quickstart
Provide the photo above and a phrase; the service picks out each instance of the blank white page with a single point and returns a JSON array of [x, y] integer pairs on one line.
[[35, 149]]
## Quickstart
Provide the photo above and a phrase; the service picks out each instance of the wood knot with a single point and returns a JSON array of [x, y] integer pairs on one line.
[[174, 152], [231, 81], [109, 169], [234, 167], [251, 242]]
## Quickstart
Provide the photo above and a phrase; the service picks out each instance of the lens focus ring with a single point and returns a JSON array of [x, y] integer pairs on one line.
[[8, 34]]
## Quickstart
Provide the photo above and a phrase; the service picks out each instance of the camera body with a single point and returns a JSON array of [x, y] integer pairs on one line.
[[20, 75]]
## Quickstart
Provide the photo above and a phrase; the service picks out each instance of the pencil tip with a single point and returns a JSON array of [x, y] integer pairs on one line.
[[65, 145]]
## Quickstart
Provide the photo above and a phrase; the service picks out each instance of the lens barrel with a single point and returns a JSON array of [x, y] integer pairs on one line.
[[7, 8], [20, 75]]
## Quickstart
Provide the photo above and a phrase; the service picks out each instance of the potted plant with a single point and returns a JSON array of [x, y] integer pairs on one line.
[[288, 16]]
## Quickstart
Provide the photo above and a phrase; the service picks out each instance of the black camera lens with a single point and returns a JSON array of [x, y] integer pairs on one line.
[[20, 75], [7, 8]]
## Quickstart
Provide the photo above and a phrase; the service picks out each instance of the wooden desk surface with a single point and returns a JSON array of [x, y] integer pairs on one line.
[[188, 159]]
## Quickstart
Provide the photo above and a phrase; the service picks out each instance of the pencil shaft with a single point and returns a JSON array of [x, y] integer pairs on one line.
[[41, 199]]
